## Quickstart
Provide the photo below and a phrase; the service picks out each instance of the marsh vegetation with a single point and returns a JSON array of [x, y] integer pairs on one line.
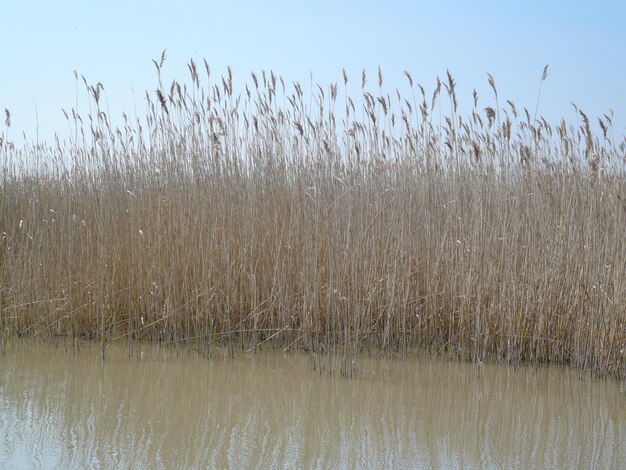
[[316, 220]]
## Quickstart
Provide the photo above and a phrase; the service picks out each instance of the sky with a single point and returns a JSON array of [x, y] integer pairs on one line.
[[113, 42]]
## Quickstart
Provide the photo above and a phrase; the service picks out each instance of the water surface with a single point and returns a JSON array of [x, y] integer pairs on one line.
[[174, 409]]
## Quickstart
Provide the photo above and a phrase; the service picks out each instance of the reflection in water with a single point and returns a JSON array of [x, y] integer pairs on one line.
[[58, 409]]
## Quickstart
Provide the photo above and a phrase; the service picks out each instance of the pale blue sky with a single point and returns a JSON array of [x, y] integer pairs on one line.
[[113, 42]]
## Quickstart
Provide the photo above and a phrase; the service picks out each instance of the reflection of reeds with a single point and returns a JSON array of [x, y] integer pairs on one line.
[[271, 215]]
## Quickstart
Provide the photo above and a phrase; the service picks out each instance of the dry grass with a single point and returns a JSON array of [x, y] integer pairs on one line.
[[272, 216]]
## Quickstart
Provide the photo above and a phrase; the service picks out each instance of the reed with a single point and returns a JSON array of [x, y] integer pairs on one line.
[[320, 220]]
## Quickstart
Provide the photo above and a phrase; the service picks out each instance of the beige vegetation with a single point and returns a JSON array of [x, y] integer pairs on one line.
[[279, 217]]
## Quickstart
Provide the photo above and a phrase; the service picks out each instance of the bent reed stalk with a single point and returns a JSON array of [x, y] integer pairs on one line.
[[268, 216]]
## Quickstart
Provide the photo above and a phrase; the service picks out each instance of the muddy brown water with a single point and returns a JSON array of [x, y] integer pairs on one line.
[[175, 409]]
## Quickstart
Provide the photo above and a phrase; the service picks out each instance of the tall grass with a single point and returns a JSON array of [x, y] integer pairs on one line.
[[318, 220]]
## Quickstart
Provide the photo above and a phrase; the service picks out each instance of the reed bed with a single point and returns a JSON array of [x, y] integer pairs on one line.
[[322, 221]]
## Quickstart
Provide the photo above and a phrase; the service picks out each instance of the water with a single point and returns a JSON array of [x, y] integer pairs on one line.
[[174, 409]]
